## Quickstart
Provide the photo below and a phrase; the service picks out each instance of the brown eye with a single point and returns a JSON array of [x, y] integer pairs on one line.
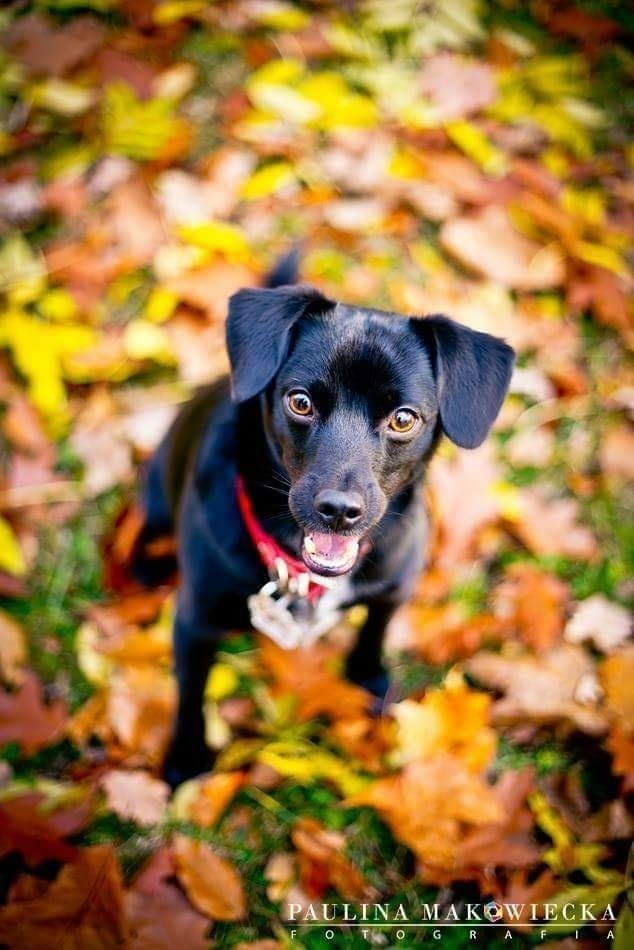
[[299, 403], [403, 420]]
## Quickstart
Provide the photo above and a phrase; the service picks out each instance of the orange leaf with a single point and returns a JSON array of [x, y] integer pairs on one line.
[[533, 604], [38, 832], [212, 884], [321, 856]]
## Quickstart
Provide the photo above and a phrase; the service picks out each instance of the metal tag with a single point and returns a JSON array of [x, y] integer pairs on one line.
[[289, 620]]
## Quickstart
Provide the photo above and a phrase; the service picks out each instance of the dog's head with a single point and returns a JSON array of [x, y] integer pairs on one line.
[[354, 401]]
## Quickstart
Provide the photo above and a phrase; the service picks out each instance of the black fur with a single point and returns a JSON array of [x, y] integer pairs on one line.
[[358, 365]]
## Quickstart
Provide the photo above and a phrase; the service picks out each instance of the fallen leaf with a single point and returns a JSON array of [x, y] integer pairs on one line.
[[453, 719], [617, 675], [203, 800], [140, 709], [26, 719], [37, 825], [605, 624], [430, 806], [309, 676], [558, 686], [616, 454], [211, 883], [81, 908], [488, 244], [135, 795], [551, 526], [158, 914], [457, 87], [532, 603], [46, 48], [323, 864]]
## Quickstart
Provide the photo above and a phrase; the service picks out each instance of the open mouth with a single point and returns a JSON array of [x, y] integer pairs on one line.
[[329, 554]]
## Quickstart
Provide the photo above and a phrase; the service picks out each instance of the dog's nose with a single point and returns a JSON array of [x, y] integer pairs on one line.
[[339, 509]]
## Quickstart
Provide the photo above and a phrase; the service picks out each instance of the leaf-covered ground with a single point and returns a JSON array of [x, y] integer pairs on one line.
[[464, 157]]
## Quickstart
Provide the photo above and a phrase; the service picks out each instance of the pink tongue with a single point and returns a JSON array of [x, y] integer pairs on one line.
[[332, 545]]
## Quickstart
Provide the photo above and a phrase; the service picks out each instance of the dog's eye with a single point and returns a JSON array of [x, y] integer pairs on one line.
[[403, 420], [299, 403]]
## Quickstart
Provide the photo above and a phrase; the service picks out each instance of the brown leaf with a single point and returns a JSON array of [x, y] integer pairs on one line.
[[26, 719], [12, 649], [135, 795], [441, 633], [82, 908], [323, 864], [158, 914], [48, 49], [140, 710], [457, 87], [429, 806], [605, 624], [558, 686], [532, 603], [29, 825], [211, 883], [488, 244], [310, 677]]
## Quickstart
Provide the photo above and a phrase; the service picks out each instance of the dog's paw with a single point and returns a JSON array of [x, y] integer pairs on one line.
[[179, 768]]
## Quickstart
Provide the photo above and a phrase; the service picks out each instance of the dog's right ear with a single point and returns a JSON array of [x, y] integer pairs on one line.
[[259, 329]]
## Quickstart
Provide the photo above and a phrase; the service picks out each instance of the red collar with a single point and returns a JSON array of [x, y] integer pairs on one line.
[[270, 551]]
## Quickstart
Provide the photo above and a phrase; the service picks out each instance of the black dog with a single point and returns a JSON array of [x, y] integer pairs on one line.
[[320, 446]]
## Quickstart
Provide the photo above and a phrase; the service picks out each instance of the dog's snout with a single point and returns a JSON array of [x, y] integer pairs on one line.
[[339, 509]]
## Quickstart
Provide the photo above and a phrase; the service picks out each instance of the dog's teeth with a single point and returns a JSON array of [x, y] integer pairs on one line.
[[309, 544]]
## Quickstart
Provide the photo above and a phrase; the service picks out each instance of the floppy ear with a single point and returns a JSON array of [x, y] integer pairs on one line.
[[473, 371], [259, 329]]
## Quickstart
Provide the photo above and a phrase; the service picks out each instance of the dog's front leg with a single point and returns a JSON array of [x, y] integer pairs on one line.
[[364, 665], [194, 650]]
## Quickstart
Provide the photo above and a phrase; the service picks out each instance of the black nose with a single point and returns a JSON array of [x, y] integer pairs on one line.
[[339, 509]]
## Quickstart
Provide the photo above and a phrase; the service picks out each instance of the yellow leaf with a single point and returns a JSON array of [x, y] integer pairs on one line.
[[306, 763], [474, 143], [11, 557], [22, 273], [139, 129], [61, 96], [218, 237], [281, 16], [143, 340], [601, 256], [171, 11], [221, 682], [96, 667], [58, 305], [267, 180], [160, 305]]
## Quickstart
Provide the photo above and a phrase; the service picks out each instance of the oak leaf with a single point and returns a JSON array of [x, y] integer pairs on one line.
[[135, 795], [430, 806]]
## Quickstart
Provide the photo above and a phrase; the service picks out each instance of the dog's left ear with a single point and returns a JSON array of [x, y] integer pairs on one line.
[[473, 371], [259, 329]]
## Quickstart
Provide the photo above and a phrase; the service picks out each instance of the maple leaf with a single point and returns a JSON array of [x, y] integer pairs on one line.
[[430, 805], [158, 914], [82, 907], [212, 884], [309, 676], [551, 526], [558, 686], [25, 717], [532, 603], [454, 719], [37, 827]]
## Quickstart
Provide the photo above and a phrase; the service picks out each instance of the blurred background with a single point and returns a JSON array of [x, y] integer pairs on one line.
[[464, 157]]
